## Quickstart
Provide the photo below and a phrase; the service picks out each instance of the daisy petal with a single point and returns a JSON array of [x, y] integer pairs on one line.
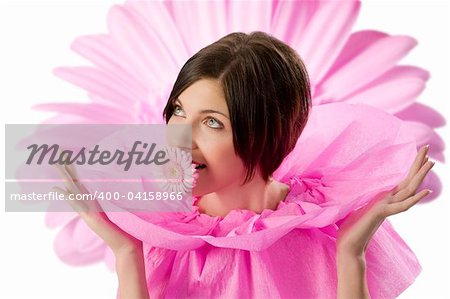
[[330, 27], [161, 23], [425, 135], [248, 16], [290, 19], [102, 113], [185, 13], [423, 114], [76, 244], [396, 94], [100, 49], [368, 65], [96, 82]]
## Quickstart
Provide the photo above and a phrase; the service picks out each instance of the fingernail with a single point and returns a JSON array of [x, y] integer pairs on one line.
[[427, 146], [429, 191]]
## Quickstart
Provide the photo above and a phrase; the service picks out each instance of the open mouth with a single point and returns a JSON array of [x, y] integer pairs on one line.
[[199, 165]]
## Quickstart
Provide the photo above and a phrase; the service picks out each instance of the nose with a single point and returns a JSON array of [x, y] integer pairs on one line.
[[180, 136]]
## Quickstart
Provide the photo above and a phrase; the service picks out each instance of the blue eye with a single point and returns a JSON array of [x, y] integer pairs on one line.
[[213, 123], [177, 110], [210, 121]]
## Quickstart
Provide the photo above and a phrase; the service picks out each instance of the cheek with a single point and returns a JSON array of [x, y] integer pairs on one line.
[[233, 170], [173, 120], [225, 164]]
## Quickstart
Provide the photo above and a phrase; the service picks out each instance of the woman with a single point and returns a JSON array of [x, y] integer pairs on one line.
[[247, 98]]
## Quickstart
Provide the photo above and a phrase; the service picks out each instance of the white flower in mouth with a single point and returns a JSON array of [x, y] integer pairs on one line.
[[177, 174]]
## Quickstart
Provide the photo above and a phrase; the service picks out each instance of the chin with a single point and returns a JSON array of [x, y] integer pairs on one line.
[[198, 192], [201, 190]]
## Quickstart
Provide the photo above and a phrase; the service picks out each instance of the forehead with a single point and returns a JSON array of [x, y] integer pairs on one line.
[[204, 93]]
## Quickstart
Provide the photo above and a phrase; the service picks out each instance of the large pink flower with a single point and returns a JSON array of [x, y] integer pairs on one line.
[[137, 61]]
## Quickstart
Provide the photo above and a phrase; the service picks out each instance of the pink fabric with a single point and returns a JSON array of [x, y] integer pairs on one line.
[[301, 264], [346, 155]]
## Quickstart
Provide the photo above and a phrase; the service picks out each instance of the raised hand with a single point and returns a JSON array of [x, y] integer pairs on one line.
[[358, 228], [91, 212], [127, 249], [356, 231]]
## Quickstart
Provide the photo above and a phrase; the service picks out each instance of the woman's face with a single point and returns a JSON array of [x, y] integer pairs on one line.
[[203, 106]]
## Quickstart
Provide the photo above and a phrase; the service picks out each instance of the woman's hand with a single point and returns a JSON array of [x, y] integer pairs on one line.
[[127, 249], [91, 212], [358, 228]]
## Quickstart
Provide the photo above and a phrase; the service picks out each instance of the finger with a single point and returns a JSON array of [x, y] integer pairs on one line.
[[71, 170], [60, 171], [62, 191], [68, 183], [67, 198], [414, 183], [60, 168], [415, 167], [402, 206], [78, 206], [73, 174], [418, 161], [420, 176]]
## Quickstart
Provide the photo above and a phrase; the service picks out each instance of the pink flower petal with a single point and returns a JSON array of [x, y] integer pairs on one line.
[[400, 86], [420, 113], [140, 46], [69, 119], [355, 44], [162, 25], [247, 16], [55, 219], [97, 82], [329, 27], [290, 19], [368, 65], [100, 49], [209, 18], [391, 95], [425, 135], [431, 182], [105, 114], [76, 244]]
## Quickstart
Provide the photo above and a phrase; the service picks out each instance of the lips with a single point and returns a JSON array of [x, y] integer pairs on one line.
[[198, 165]]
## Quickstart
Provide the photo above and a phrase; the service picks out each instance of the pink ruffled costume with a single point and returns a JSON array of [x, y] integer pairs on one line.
[[346, 155]]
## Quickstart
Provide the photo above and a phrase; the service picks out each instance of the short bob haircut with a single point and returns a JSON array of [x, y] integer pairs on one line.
[[267, 90]]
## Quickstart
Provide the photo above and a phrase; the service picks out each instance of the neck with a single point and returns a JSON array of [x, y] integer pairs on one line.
[[256, 196]]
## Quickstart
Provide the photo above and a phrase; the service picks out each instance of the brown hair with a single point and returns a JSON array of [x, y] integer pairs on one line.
[[267, 90]]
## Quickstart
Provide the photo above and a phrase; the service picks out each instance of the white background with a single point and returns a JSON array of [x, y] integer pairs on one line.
[[35, 38]]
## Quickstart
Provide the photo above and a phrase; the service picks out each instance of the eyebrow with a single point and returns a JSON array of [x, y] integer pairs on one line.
[[203, 111]]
